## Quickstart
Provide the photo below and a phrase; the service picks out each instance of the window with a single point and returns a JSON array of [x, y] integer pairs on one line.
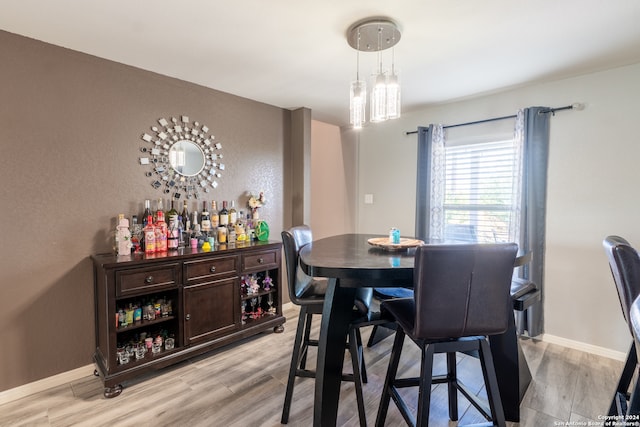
[[481, 191]]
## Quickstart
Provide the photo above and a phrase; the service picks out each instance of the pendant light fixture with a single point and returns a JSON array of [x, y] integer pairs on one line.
[[374, 35]]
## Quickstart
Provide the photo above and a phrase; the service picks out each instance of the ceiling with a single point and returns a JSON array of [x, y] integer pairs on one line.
[[294, 53]]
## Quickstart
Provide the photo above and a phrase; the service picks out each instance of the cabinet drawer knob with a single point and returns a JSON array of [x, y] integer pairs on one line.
[[213, 269], [260, 260], [148, 279], [187, 317]]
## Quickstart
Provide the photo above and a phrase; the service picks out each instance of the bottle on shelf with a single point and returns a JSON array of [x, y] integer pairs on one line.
[[186, 219], [194, 221], [159, 208], [233, 214], [136, 234], [161, 233], [215, 218], [205, 219], [147, 212], [171, 211], [173, 232], [149, 236], [223, 214]]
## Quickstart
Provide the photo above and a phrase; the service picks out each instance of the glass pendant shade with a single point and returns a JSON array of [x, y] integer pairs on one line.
[[379, 99], [393, 96], [357, 102]]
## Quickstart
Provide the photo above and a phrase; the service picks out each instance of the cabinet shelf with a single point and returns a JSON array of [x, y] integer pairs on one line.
[[261, 292], [144, 324]]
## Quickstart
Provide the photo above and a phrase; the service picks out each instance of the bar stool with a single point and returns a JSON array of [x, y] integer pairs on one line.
[[461, 296], [625, 268], [308, 293]]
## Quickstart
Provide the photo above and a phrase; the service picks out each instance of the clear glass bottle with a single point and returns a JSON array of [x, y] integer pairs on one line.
[[215, 218], [233, 214]]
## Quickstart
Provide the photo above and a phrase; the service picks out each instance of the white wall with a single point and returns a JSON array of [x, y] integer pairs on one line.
[[592, 189]]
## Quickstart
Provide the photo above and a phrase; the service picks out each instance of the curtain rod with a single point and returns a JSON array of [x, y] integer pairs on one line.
[[549, 110]]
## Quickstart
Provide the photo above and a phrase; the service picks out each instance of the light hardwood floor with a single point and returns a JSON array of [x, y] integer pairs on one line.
[[244, 385]]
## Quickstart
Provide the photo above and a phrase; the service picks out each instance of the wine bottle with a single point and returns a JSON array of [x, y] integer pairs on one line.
[[194, 221], [186, 220], [215, 218], [224, 214], [233, 214], [149, 236], [205, 219], [147, 212], [171, 211]]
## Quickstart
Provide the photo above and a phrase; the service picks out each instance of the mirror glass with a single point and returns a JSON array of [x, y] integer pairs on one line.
[[186, 158]]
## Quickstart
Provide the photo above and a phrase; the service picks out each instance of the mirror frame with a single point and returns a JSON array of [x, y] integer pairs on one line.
[[156, 157]]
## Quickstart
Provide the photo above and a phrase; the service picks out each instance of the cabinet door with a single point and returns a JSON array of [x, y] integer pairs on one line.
[[211, 310]]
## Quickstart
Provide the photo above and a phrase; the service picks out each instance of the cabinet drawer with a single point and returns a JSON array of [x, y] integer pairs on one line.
[[260, 260], [147, 279], [210, 268]]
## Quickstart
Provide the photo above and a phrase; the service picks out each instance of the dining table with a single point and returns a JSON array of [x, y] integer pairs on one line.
[[350, 261]]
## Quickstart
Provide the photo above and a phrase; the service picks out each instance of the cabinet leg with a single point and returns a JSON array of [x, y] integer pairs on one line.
[[96, 373], [115, 391], [278, 329]]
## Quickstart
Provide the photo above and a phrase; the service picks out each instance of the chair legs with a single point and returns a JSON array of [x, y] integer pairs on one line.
[[299, 359], [304, 322], [621, 395], [493, 413]]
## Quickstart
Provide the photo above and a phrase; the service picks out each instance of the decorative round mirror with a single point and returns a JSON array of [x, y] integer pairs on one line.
[[182, 157], [186, 158]]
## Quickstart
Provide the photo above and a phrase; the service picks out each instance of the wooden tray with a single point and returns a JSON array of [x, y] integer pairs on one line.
[[383, 242]]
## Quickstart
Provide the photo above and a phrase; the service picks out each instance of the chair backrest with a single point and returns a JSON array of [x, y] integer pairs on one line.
[[292, 240], [463, 290], [625, 268]]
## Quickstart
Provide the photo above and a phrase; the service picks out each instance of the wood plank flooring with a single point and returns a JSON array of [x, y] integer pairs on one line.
[[244, 385]]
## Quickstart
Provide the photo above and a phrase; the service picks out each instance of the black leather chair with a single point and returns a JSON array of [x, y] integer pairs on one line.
[[633, 408], [461, 296], [625, 268], [308, 293]]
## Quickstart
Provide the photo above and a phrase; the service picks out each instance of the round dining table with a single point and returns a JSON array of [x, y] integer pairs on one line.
[[350, 261]]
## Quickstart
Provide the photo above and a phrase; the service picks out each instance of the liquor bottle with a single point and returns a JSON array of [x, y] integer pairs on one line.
[[149, 236], [161, 233], [215, 218], [233, 214], [147, 212], [205, 219], [224, 214], [173, 232], [186, 219]]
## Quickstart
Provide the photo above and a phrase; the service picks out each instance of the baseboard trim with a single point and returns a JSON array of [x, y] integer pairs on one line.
[[45, 384], [587, 348], [84, 371]]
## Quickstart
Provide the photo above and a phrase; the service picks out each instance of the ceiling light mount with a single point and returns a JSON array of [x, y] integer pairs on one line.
[[373, 34]]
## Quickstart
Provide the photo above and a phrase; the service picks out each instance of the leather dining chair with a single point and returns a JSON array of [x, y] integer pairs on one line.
[[633, 408], [461, 297], [308, 293], [624, 262]]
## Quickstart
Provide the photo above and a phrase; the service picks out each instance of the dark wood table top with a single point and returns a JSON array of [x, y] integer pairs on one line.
[[350, 257]]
